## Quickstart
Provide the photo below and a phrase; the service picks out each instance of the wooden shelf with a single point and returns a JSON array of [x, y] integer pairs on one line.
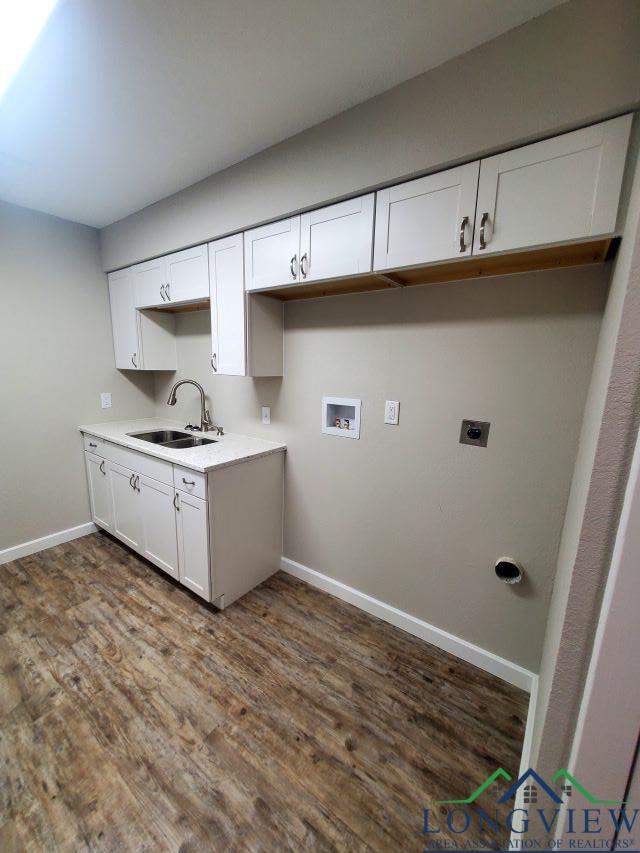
[[554, 257], [181, 309]]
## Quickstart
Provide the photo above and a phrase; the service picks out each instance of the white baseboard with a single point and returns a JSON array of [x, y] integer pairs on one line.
[[511, 672], [17, 551]]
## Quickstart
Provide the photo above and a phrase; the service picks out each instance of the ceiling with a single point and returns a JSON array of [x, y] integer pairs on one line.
[[123, 102]]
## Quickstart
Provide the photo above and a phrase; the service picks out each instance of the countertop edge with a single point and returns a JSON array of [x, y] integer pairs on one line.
[[135, 446]]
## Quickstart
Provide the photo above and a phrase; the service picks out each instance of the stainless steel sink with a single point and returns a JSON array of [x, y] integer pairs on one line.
[[172, 438], [188, 441]]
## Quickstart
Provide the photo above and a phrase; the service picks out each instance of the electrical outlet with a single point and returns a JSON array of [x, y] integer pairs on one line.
[[266, 414], [105, 400], [391, 412]]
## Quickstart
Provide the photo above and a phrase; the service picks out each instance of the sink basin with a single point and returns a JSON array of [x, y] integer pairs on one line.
[[187, 441], [172, 438], [159, 436]]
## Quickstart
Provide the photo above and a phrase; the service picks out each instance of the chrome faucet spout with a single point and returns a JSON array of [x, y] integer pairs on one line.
[[205, 418]]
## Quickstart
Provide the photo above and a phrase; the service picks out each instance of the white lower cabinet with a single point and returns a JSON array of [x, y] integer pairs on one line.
[[99, 491], [164, 512], [127, 515], [193, 543], [159, 540]]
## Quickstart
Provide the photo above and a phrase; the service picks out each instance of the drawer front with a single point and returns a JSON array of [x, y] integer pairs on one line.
[[148, 466], [94, 445], [192, 482]]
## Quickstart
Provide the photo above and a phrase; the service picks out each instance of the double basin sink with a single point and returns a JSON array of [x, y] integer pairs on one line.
[[172, 438]]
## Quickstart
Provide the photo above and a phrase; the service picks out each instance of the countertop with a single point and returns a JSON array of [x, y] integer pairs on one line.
[[229, 449]]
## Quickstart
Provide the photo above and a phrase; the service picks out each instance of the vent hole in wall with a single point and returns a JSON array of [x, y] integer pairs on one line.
[[509, 570]]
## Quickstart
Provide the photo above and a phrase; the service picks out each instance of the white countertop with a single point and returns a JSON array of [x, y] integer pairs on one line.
[[229, 449]]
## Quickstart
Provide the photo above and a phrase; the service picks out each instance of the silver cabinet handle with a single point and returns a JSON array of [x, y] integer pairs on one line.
[[188, 482], [133, 360], [164, 298], [176, 501], [102, 468], [214, 361], [91, 444], [292, 266], [136, 483], [131, 482], [166, 292], [302, 269], [483, 222], [463, 225]]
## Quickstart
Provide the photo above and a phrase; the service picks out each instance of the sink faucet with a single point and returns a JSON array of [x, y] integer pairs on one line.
[[205, 418]]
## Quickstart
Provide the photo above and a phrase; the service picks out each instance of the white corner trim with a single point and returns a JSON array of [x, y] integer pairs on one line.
[[17, 551], [511, 672], [515, 838]]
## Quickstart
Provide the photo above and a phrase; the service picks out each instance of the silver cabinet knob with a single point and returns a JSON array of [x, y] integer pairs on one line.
[[292, 266], [303, 270], [102, 468], [162, 293], [188, 482], [483, 222], [176, 501], [167, 293], [214, 362]]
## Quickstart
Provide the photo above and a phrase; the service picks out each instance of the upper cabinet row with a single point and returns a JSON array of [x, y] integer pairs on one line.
[[246, 332], [556, 191]]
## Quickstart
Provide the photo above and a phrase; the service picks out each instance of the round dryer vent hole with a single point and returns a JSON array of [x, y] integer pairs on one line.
[[509, 570]]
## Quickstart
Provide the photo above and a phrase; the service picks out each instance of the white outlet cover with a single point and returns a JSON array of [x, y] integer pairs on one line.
[[266, 414], [391, 412], [105, 400]]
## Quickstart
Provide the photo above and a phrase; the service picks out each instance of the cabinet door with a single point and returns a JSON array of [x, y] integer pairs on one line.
[[193, 543], [561, 189], [426, 220], [337, 240], [149, 281], [271, 254], [127, 520], [188, 275], [226, 281], [99, 491], [159, 537], [124, 321]]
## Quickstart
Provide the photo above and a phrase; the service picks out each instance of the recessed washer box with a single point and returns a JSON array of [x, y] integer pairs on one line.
[[341, 416]]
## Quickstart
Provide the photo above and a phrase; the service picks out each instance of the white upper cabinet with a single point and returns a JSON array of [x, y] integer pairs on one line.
[[124, 321], [187, 275], [149, 282], [271, 254], [177, 278], [426, 220], [562, 189], [226, 282], [337, 240]]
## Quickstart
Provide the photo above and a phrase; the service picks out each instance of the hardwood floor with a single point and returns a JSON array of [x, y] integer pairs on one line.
[[133, 717]]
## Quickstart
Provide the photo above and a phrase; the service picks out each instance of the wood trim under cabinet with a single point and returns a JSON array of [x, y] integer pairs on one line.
[[548, 257]]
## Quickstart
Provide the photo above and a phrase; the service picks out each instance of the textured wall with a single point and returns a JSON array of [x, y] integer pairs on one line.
[[407, 514], [57, 356]]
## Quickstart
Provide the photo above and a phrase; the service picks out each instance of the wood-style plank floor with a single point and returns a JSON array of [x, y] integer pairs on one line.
[[133, 717]]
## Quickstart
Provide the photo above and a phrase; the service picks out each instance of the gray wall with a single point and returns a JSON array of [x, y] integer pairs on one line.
[[57, 356], [576, 64], [407, 514]]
